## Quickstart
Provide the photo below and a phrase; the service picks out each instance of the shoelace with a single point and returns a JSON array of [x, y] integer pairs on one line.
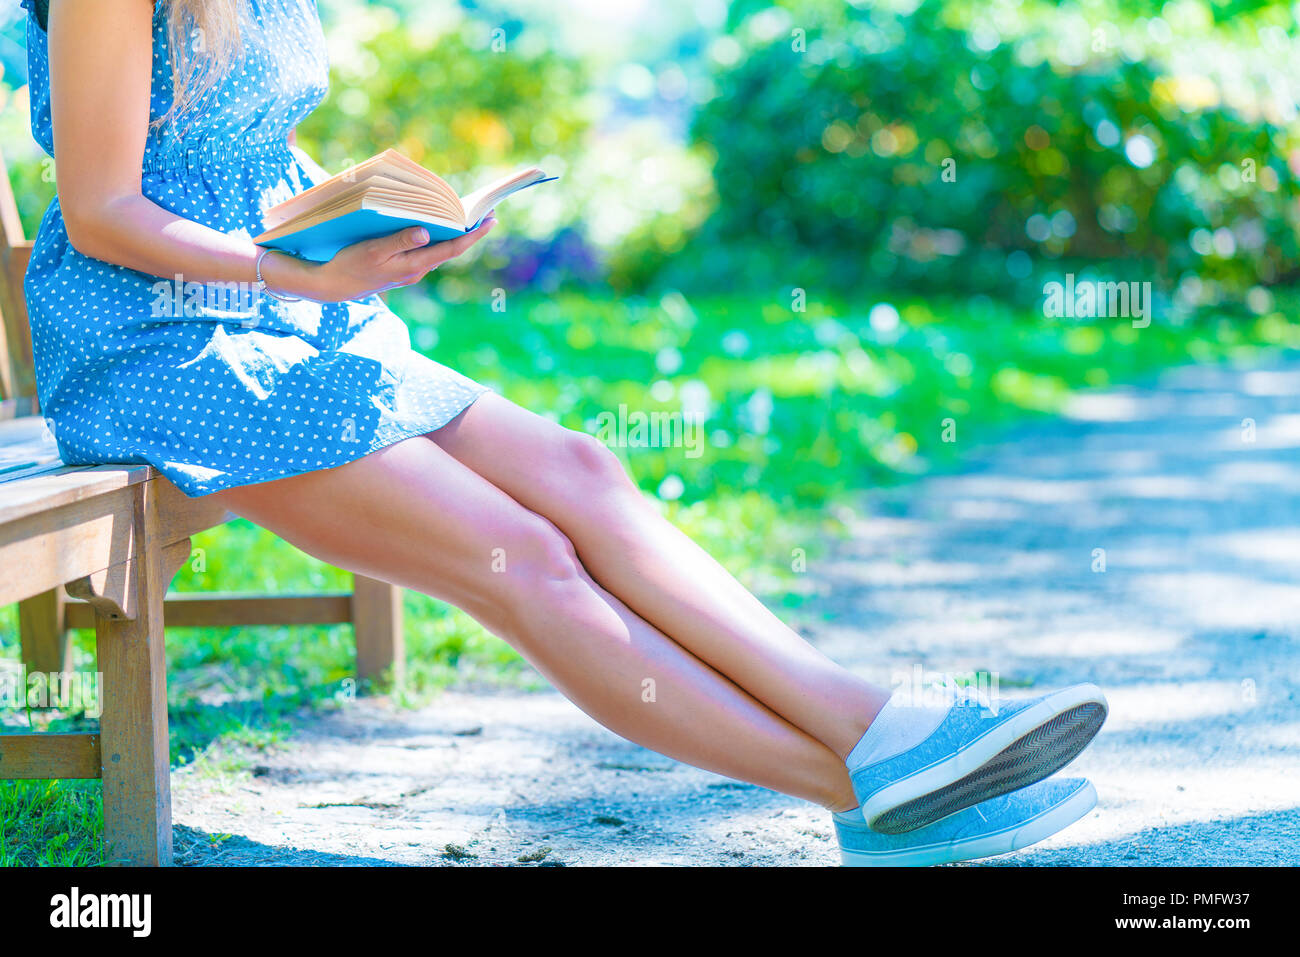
[[964, 695]]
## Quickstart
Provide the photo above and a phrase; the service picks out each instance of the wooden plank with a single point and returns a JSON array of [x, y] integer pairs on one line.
[[377, 620], [50, 547], [17, 378], [14, 259], [9, 398], [13, 470], [66, 486], [44, 550], [221, 610], [15, 408], [27, 429], [42, 633], [11, 224], [110, 591], [20, 257], [41, 756], [27, 447], [133, 727], [181, 516]]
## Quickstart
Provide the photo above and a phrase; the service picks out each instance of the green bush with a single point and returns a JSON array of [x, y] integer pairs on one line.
[[836, 123], [454, 99]]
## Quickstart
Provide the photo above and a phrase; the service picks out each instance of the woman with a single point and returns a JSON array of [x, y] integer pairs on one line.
[[310, 414]]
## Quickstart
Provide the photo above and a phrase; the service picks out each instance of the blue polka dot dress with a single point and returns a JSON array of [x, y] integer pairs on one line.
[[212, 385]]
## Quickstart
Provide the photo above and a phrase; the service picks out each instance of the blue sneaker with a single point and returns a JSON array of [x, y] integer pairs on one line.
[[976, 753], [996, 826]]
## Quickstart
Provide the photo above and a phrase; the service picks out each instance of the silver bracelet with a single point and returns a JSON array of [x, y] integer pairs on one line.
[[263, 287]]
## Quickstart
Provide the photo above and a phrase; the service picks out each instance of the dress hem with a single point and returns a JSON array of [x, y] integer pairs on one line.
[[409, 433]]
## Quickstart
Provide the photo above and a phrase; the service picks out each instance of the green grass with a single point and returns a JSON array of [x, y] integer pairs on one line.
[[804, 408], [51, 823], [849, 408]]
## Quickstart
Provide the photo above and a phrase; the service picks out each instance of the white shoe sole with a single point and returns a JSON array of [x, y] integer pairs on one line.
[[1031, 746], [1012, 838]]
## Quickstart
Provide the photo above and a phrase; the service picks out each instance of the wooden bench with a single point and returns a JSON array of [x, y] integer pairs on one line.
[[95, 547]]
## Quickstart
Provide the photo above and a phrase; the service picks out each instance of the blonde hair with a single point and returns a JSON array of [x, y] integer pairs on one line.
[[205, 38]]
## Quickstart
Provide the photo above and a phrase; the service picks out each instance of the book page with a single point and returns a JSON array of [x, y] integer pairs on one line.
[[390, 164], [485, 197], [391, 182]]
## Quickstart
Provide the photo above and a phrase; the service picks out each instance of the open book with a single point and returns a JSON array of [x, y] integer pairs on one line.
[[380, 196]]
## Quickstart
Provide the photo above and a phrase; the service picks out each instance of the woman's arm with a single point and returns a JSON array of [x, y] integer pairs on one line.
[[99, 101]]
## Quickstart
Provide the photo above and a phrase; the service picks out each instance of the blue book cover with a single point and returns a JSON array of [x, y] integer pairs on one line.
[[321, 242], [368, 219]]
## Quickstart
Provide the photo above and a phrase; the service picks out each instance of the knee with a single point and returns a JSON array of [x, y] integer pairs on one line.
[[535, 569], [591, 467], [538, 555]]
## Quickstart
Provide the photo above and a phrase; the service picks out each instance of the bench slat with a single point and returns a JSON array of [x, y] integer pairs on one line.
[[21, 407], [26, 447], [43, 550], [27, 756], [65, 486], [209, 610]]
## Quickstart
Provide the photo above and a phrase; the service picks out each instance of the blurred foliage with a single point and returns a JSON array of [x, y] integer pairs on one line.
[[443, 95], [31, 172], [968, 146], [471, 92], [1067, 140]]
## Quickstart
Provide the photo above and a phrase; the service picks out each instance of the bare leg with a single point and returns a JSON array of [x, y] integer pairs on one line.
[[577, 483], [413, 515]]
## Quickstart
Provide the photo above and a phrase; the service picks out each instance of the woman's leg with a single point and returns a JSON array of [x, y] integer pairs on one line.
[[413, 515], [630, 549]]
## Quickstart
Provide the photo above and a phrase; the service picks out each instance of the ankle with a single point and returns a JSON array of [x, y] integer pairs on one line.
[[898, 727], [841, 798], [872, 704]]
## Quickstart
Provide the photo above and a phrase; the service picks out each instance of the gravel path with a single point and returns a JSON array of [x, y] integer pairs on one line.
[[1193, 630]]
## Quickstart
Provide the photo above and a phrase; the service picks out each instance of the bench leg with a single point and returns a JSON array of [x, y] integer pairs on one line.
[[133, 731], [377, 622], [41, 634]]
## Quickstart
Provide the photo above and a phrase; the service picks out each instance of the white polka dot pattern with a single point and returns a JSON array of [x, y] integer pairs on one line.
[[215, 397]]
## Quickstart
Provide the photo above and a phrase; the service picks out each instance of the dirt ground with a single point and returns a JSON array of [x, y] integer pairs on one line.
[[1192, 628]]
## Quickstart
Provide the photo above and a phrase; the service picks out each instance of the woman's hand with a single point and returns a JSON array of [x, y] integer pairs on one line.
[[368, 267]]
